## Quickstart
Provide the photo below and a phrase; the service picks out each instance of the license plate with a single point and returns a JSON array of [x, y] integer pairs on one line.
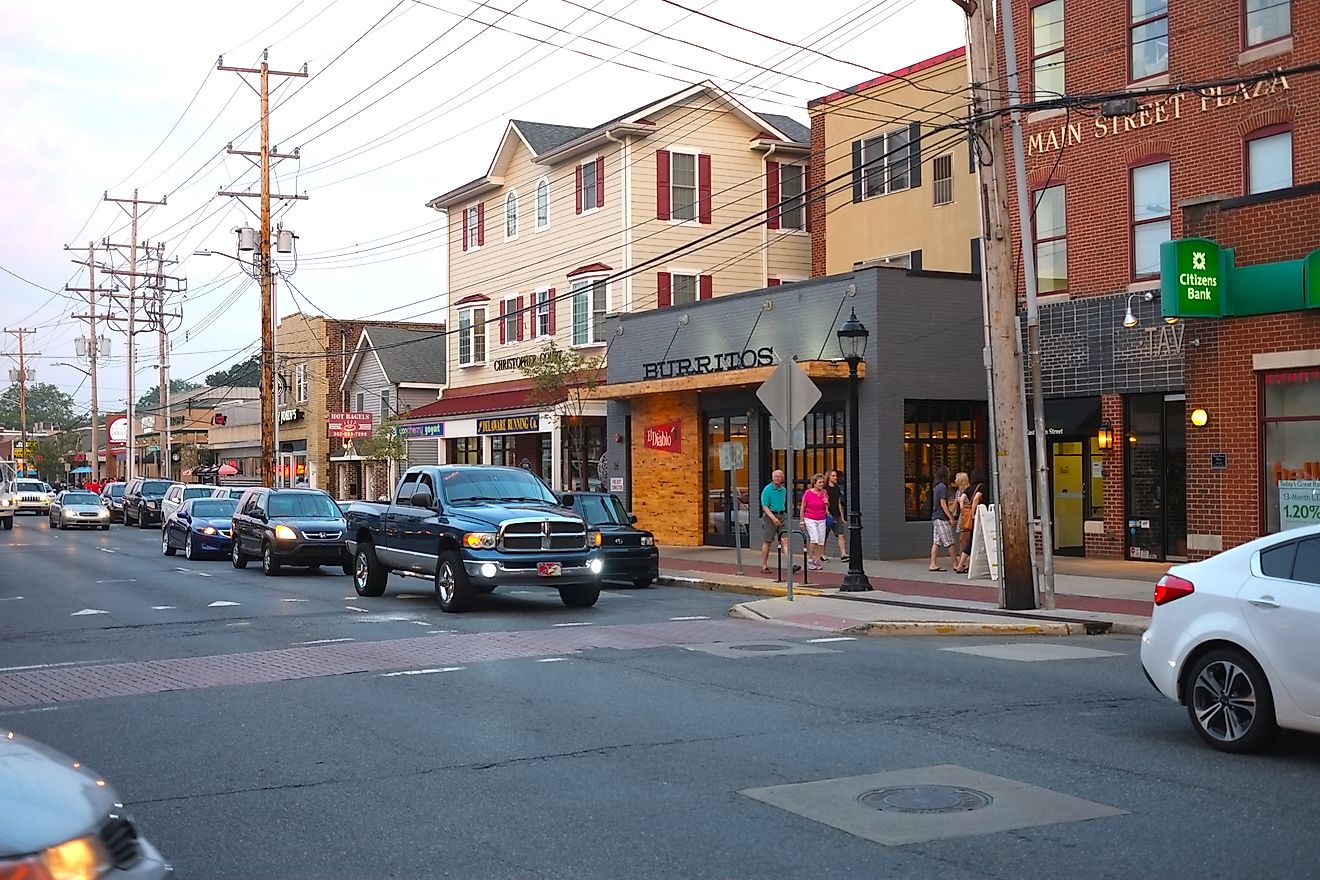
[[549, 569]]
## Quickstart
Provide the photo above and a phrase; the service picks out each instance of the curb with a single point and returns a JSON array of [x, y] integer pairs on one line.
[[929, 627], [766, 592]]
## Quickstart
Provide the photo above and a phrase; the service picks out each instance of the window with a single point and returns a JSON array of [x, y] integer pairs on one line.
[[792, 181], [473, 235], [683, 186], [511, 215], [1306, 568], [465, 450], [1267, 20], [543, 306], [510, 321], [542, 204], [590, 303], [300, 383], [1277, 562], [590, 185], [684, 290], [939, 432], [942, 171], [361, 401], [1150, 217], [1149, 38], [471, 336], [885, 163], [1269, 160], [281, 389], [1290, 438], [1051, 230], [1047, 50], [384, 406]]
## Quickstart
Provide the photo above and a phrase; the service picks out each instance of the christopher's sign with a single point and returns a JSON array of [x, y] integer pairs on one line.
[[665, 438]]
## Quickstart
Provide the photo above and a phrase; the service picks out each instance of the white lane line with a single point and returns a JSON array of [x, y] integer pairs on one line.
[[433, 632], [10, 598], [552, 660], [294, 600], [421, 671], [355, 608], [351, 598], [325, 641], [579, 623], [87, 611], [119, 581], [30, 711], [422, 622], [221, 603], [52, 665], [106, 550], [832, 639], [203, 574], [693, 617], [411, 596], [162, 607], [613, 595]]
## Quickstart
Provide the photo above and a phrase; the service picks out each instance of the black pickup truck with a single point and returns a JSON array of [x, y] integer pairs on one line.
[[470, 529]]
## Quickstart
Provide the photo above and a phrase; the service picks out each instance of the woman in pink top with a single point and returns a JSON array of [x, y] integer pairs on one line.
[[815, 508]]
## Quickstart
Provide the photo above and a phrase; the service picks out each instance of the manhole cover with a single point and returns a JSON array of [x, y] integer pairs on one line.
[[926, 799], [758, 647]]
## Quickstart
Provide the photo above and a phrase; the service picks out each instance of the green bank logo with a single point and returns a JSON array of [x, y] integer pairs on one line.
[[1193, 268]]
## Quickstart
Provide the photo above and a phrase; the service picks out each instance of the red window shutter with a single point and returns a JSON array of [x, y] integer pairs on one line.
[[707, 286], [553, 306], [600, 181], [502, 337], [807, 197], [773, 282], [481, 223], [522, 315], [577, 197], [703, 186], [772, 194], [464, 216], [662, 208], [664, 290]]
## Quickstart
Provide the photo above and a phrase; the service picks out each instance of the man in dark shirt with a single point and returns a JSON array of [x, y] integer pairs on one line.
[[835, 508]]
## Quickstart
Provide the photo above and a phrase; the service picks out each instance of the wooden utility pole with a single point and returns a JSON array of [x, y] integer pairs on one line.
[[264, 263], [21, 334], [93, 352], [1015, 532]]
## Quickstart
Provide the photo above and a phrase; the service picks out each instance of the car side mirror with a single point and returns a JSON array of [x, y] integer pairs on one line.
[[422, 499], [566, 500], [632, 519]]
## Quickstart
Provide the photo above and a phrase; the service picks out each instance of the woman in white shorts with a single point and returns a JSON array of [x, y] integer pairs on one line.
[[815, 508]]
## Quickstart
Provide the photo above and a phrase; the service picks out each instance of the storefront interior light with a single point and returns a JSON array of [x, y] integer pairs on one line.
[[1200, 417], [1105, 438]]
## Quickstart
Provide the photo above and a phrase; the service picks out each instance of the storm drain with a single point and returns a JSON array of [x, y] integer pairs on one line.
[[760, 648], [926, 799]]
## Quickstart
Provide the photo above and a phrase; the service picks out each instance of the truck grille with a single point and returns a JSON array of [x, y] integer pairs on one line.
[[120, 839], [535, 535]]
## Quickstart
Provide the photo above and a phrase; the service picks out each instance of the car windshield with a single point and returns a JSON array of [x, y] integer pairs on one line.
[[80, 498], [213, 508], [117, 490], [476, 485], [601, 509], [155, 487], [28, 486], [197, 492], [307, 505]]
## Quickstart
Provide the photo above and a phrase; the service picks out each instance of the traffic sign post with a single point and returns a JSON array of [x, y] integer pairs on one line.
[[733, 457], [789, 394]]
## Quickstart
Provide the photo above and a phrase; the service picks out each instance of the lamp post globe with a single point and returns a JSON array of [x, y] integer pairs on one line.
[[852, 345]]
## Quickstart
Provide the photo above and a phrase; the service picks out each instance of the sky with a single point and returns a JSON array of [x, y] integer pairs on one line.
[[404, 99]]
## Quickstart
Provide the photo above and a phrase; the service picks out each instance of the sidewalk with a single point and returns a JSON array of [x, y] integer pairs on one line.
[[1090, 595]]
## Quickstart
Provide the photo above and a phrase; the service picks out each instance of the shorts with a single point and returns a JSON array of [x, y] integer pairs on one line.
[[769, 529], [816, 531], [943, 532], [967, 541], [839, 527]]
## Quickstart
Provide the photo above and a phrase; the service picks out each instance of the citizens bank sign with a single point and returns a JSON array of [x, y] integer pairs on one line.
[[712, 363]]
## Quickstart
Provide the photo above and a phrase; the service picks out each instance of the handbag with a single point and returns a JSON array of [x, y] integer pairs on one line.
[[829, 521], [967, 519]]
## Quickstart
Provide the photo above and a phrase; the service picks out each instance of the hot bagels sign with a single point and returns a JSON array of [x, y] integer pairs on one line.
[[665, 438]]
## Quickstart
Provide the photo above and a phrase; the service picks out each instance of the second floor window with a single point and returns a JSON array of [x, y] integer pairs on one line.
[[683, 186], [1047, 50], [590, 303], [942, 172], [511, 320], [1051, 230], [544, 323], [1151, 210], [792, 181], [511, 215], [685, 289], [1267, 21], [885, 163], [1149, 38], [542, 204], [474, 235], [471, 336], [1269, 161], [385, 407], [300, 382], [591, 185]]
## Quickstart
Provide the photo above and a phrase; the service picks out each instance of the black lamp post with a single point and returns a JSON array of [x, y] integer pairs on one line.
[[852, 345]]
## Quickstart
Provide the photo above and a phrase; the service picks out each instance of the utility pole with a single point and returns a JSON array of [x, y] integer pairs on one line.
[[1015, 532], [93, 352], [21, 334], [132, 274], [161, 319], [264, 262]]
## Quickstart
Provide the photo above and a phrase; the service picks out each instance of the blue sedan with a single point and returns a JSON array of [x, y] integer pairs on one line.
[[199, 527]]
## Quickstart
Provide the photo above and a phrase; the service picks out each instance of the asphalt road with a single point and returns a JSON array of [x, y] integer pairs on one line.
[[383, 738]]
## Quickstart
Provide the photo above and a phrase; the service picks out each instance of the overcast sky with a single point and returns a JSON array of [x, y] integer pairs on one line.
[[98, 96]]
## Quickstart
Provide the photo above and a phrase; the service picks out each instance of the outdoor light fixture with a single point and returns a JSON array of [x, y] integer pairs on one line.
[[1200, 417], [852, 345], [1129, 319], [1105, 439]]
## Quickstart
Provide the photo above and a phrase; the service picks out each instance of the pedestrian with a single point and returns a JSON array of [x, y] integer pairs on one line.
[[774, 507], [941, 520], [958, 504], [837, 520], [815, 509], [975, 496]]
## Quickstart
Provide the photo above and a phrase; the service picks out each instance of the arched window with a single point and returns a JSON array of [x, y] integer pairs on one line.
[[511, 214], [542, 204]]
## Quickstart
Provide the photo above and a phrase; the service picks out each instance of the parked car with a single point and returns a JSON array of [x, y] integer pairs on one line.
[[198, 527], [76, 509], [470, 529], [627, 552], [112, 495], [33, 497], [234, 493], [288, 527], [142, 499], [179, 493], [64, 821], [1233, 638]]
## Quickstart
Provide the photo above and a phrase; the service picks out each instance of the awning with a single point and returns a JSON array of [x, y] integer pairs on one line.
[[1067, 417], [81, 470], [471, 404]]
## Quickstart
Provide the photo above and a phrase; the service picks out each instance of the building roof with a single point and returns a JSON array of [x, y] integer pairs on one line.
[[899, 75], [796, 131], [409, 356], [469, 404], [542, 137]]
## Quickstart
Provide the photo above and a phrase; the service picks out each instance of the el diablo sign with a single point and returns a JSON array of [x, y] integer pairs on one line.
[[664, 438]]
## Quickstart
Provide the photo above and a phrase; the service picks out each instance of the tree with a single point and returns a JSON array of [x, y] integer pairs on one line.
[[244, 374], [177, 386], [49, 454], [46, 403], [387, 444], [565, 380]]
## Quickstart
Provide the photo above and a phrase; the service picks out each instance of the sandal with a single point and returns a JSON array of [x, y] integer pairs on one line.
[[765, 571], [935, 569]]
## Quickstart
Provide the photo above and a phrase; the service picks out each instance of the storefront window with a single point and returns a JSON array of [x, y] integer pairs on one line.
[[824, 452], [951, 433], [502, 451], [583, 460], [465, 450], [1291, 438]]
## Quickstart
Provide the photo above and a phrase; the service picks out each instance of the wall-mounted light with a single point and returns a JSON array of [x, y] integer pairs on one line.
[[1105, 438], [1200, 417], [1129, 319]]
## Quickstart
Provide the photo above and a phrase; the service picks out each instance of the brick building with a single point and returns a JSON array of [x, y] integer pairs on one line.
[[1239, 165]]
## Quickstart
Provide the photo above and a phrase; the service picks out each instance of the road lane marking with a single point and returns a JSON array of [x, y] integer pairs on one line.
[[578, 623], [832, 639], [351, 598], [693, 617], [552, 660], [422, 622], [422, 671], [119, 581], [325, 641], [87, 611], [221, 603], [52, 665], [203, 574], [106, 550], [355, 608], [411, 596], [10, 598], [30, 711], [294, 600], [162, 607], [433, 632]]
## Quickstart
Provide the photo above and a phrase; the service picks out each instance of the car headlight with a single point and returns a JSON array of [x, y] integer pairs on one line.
[[64, 511], [4, 502], [284, 533], [210, 530], [152, 505], [480, 540], [103, 513], [648, 541], [81, 859]]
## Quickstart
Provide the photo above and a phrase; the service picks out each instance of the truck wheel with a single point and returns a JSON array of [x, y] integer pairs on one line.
[[369, 576], [641, 583], [270, 566], [9, 523], [236, 555], [453, 590], [580, 596], [142, 521]]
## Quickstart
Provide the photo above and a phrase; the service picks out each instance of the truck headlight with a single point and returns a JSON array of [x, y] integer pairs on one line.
[[595, 565], [45, 499], [4, 502], [648, 541], [284, 533], [594, 538], [480, 540]]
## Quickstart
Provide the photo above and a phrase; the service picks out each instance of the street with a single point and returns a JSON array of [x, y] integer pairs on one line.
[[283, 727]]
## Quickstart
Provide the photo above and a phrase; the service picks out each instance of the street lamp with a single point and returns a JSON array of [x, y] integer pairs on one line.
[[852, 345]]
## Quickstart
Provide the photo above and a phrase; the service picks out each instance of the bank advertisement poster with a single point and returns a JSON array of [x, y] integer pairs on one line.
[[1299, 503]]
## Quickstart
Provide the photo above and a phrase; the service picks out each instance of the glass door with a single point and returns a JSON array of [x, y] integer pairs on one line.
[[1067, 464], [723, 487], [1156, 464]]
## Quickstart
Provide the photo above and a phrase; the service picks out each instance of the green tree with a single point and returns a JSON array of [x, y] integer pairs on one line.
[[46, 403], [177, 386], [565, 380], [244, 374], [386, 444], [49, 454]]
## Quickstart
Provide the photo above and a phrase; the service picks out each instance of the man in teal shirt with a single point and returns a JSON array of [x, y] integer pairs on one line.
[[774, 507]]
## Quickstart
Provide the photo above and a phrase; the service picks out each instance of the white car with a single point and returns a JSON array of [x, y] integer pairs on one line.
[[33, 496], [177, 494], [1236, 639]]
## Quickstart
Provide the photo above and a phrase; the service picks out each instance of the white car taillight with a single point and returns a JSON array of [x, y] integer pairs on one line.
[[1172, 587]]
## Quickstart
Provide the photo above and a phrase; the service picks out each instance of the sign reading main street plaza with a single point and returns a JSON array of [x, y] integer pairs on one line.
[[1192, 272]]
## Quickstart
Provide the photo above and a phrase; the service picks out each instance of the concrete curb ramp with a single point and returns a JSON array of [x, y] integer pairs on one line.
[[931, 622]]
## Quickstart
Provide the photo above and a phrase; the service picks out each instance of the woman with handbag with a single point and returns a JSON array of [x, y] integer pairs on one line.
[[973, 496]]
